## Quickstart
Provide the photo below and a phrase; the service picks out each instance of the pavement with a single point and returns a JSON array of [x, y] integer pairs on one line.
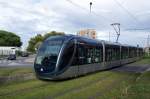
[[19, 62], [133, 68], [148, 69]]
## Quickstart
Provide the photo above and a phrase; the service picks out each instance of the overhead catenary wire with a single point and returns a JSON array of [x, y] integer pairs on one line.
[[127, 11], [106, 19], [137, 29], [77, 5], [85, 9]]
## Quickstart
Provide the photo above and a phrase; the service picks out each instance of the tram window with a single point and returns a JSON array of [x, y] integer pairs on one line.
[[113, 57], [88, 54], [81, 54], [98, 55], [108, 53], [124, 53], [112, 53], [94, 55], [131, 52], [118, 53]]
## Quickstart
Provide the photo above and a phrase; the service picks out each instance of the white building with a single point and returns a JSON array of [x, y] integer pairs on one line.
[[8, 50], [147, 50]]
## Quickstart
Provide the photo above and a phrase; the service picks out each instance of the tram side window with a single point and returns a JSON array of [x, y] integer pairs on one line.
[[94, 55], [135, 52], [141, 52], [89, 54], [124, 52], [108, 54], [98, 55], [81, 55], [115, 53], [131, 52], [118, 53], [112, 53]]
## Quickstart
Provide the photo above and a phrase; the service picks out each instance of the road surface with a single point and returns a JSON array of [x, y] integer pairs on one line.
[[133, 68], [19, 62]]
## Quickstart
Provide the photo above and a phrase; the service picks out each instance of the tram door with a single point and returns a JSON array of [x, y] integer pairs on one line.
[[81, 55], [81, 58]]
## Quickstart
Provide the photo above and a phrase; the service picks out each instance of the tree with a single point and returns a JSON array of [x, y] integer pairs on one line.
[[52, 33], [36, 41], [9, 39], [33, 41]]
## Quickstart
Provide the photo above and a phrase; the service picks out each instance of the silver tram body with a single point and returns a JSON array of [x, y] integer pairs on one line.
[[67, 56]]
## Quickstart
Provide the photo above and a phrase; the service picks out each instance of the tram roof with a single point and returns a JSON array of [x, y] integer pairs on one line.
[[92, 41]]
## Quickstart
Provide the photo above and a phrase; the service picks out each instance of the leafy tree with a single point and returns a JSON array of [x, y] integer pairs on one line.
[[9, 39], [36, 41], [33, 41], [52, 33]]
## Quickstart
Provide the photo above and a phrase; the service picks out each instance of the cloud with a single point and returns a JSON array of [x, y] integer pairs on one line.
[[30, 17]]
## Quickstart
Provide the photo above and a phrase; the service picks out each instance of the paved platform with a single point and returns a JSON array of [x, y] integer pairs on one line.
[[133, 68]]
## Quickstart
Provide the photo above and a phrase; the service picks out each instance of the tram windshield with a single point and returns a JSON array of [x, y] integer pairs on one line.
[[48, 52]]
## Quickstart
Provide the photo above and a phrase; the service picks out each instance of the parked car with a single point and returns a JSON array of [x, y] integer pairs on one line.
[[12, 57], [24, 54]]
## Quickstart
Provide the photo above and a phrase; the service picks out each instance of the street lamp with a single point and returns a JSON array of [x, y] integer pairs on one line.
[[90, 6]]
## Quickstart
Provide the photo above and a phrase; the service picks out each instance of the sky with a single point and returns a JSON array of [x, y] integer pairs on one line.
[[28, 18]]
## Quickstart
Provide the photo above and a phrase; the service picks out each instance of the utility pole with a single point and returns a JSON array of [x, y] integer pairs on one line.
[[109, 36], [148, 45], [91, 7], [116, 27], [148, 39]]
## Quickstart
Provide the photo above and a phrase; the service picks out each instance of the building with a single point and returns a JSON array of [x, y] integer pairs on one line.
[[147, 50], [88, 33], [4, 50]]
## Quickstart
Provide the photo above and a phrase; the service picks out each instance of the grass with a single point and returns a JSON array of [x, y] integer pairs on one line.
[[141, 89], [6, 89], [54, 88], [99, 89], [14, 71], [101, 85], [15, 75]]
